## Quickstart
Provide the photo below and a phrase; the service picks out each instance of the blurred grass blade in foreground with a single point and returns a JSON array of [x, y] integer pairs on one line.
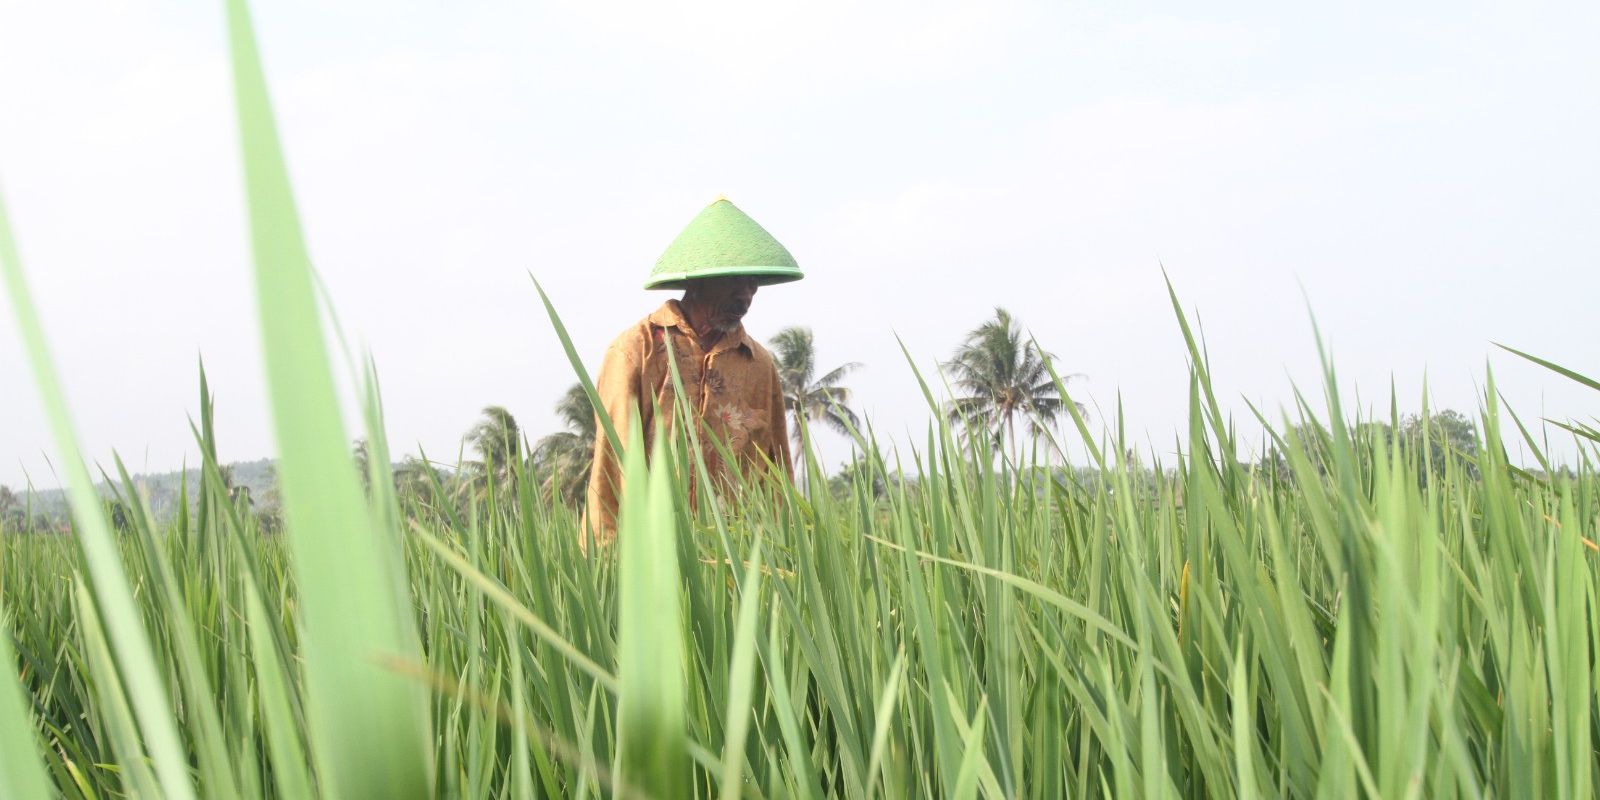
[[368, 724], [21, 774], [135, 660], [650, 713]]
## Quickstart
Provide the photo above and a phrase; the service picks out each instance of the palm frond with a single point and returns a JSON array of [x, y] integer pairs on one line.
[[576, 412], [795, 355], [832, 379], [1001, 373]]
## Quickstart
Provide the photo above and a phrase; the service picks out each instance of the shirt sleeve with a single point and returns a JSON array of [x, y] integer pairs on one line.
[[618, 388]]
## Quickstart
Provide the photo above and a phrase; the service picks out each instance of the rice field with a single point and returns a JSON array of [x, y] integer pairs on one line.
[[1365, 619]]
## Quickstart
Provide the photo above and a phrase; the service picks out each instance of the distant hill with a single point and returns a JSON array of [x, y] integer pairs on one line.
[[162, 490]]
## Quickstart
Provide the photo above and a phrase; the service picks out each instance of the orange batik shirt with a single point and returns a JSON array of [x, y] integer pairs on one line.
[[733, 386]]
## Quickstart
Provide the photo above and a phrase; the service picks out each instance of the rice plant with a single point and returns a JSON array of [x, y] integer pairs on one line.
[[1366, 617]]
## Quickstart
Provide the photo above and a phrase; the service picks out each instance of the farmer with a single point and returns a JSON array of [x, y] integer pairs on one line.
[[729, 379]]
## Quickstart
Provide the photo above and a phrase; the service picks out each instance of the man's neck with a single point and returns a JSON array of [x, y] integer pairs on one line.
[[699, 319]]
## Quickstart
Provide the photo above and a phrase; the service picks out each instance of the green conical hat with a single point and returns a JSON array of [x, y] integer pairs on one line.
[[723, 240]]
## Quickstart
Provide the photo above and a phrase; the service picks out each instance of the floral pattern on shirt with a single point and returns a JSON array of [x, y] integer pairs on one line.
[[736, 423], [715, 382]]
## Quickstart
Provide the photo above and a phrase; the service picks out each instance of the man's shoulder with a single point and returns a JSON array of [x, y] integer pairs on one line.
[[631, 338], [760, 354]]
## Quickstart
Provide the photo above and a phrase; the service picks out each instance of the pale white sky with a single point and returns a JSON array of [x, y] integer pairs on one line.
[[1426, 171]]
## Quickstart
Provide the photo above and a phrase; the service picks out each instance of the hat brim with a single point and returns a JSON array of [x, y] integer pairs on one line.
[[765, 276]]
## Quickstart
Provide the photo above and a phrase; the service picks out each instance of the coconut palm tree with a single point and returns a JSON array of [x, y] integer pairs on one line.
[[414, 480], [497, 441], [820, 400], [562, 460], [1003, 376]]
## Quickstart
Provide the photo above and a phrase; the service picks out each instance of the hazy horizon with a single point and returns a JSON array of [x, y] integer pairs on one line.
[[1424, 178]]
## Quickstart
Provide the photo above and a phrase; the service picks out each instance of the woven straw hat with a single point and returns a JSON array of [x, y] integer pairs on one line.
[[722, 240]]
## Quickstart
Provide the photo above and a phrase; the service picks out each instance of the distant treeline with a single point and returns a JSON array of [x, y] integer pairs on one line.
[[559, 463]]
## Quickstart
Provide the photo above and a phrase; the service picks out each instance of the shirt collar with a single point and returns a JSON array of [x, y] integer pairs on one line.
[[670, 315]]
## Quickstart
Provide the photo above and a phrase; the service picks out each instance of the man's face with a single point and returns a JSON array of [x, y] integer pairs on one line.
[[727, 298]]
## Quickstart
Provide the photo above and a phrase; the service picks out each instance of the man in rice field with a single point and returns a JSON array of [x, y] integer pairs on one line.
[[729, 380]]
